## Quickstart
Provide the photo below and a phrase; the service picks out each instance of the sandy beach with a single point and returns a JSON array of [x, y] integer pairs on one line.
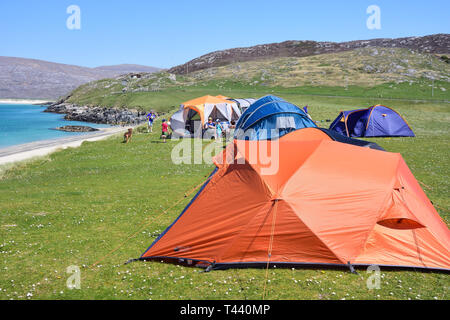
[[41, 148], [22, 101]]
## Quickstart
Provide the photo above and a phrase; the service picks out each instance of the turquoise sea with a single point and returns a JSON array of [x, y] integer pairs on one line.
[[28, 123]]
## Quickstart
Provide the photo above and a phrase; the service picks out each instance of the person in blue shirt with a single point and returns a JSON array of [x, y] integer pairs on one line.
[[219, 130], [210, 129], [150, 118]]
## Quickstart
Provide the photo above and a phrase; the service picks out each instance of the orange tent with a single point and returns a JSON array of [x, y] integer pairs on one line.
[[182, 122], [202, 104], [310, 201]]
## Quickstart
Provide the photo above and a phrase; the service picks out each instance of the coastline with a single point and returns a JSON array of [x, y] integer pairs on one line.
[[24, 101], [97, 114], [45, 147]]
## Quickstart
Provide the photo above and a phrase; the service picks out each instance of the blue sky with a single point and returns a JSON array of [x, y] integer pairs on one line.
[[167, 33]]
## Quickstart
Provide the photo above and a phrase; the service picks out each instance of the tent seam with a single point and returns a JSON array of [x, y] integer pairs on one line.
[[316, 235], [276, 113], [225, 250], [388, 193]]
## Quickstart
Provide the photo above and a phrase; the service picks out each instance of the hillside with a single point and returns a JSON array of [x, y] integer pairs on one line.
[[363, 67], [27, 78], [438, 43], [401, 73]]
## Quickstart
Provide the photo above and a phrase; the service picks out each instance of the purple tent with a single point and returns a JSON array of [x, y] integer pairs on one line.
[[376, 121]]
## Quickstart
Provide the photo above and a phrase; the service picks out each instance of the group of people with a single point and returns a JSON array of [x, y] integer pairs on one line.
[[217, 129], [214, 129], [151, 116]]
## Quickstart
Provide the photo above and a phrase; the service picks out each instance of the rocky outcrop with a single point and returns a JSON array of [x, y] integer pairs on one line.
[[437, 43], [98, 114], [77, 129]]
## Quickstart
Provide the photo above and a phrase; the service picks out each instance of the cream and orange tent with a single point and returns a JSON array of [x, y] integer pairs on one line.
[[200, 109], [316, 202], [222, 97]]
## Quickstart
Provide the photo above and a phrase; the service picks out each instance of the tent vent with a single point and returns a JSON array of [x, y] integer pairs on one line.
[[400, 223]]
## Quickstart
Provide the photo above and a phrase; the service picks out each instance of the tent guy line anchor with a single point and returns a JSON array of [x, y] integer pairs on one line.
[[352, 269]]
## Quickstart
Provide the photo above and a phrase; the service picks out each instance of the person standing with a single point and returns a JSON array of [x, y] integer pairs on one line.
[[210, 129], [150, 117], [165, 130], [230, 130], [219, 130]]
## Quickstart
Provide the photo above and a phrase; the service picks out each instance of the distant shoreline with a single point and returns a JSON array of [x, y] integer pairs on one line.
[[24, 101], [44, 147]]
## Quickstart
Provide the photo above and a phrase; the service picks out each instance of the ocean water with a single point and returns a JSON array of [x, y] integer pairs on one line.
[[28, 123]]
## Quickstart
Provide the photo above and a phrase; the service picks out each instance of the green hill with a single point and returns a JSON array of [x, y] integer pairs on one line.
[[366, 72]]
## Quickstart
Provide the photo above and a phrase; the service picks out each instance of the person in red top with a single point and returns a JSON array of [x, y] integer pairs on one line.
[[165, 130]]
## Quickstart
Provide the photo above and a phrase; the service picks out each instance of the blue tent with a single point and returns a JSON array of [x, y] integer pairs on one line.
[[255, 105], [270, 118], [376, 121]]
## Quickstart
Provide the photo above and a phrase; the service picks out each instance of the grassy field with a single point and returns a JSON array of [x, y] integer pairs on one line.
[[75, 206], [168, 99]]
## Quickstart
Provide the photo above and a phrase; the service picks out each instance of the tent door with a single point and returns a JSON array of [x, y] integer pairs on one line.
[[192, 118], [216, 114], [234, 116]]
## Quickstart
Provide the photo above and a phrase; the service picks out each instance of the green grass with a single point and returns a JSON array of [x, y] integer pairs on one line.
[[366, 72], [170, 98], [75, 206]]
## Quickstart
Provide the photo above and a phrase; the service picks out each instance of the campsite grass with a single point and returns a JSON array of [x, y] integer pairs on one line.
[[169, 98], [75, 206]]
